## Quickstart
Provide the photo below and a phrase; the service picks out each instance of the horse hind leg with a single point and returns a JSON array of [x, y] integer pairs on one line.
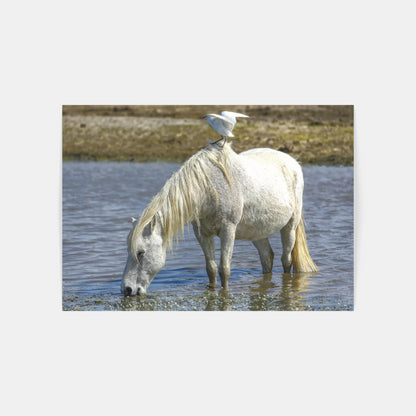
[[266, 254], [288, 237]]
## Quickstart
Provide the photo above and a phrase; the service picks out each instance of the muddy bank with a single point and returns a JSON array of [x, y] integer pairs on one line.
[[312, 134]]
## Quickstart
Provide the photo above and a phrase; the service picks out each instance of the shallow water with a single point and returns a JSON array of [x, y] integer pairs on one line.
[[99, 197]]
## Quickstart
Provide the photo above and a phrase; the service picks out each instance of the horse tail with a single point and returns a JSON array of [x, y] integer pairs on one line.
[[302, 260]]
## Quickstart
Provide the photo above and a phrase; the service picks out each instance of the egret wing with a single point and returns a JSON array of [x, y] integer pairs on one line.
[[231, 114], [220, 124], [228, 124]]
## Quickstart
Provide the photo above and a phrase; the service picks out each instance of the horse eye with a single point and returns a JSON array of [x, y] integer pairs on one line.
[[140, 255]]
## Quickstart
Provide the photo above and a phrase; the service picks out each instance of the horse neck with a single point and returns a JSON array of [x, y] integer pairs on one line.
[[187, 193], [180, 205]]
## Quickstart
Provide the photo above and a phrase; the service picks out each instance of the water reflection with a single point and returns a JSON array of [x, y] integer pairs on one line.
[[264, 284], [94, 246], [293, 287], [264, 297], [218, 301], [279, 292], [264, 294]]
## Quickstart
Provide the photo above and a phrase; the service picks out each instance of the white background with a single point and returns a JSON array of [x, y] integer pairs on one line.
[[230, 52]]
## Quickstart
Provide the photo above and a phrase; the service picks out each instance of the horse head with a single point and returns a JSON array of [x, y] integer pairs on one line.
[[146, 256]]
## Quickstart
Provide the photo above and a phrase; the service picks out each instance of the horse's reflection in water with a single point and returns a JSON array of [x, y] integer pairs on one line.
[[264, 294], [218, 301], [293, 289], [263, 284]]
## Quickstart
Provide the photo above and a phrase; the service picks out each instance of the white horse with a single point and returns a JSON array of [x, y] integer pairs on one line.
[[246, 196]]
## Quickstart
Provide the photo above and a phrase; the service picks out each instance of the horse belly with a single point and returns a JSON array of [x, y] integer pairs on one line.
[[257, 223], [268, 194]]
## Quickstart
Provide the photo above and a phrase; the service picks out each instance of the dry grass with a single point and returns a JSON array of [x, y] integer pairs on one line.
[[312, 134]]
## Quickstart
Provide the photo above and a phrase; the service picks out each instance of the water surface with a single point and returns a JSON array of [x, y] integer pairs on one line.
[[99, 197]]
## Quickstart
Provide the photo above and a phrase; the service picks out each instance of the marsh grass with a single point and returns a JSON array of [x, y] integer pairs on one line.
[[312, 134]]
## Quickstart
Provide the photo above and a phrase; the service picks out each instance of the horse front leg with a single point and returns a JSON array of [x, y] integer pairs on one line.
[[227, 237], [208, 247]]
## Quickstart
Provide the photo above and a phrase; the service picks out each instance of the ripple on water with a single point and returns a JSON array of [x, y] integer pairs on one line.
[[99, 197]]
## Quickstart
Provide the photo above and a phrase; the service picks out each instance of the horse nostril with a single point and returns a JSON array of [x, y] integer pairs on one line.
[[127, 291]]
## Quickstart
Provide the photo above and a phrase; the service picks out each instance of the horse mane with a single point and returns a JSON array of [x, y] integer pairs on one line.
[[179, 200]]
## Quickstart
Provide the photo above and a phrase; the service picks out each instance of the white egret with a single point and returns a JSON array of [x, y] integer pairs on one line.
[[224, 123]]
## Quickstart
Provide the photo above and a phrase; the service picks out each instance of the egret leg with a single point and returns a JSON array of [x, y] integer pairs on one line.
[[218, 142]]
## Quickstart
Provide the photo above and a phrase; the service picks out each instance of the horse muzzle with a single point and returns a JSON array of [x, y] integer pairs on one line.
[[129, 291]]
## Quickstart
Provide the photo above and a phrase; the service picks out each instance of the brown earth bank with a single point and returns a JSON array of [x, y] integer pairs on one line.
[[321, 134]]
